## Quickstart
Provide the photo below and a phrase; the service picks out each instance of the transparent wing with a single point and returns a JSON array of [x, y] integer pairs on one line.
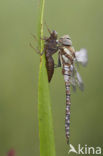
[[79, 81], [76, 80], [73, 80], [82, 56]]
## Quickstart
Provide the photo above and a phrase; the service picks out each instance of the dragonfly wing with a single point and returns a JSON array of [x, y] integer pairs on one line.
[[73, 83], [76, 80], [73, 79], [82, 57], [79, 81]]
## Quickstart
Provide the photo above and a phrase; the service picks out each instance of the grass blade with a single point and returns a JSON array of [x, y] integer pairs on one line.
[[47, 146]]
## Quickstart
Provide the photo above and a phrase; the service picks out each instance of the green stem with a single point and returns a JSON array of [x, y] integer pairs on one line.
[[46, 135]]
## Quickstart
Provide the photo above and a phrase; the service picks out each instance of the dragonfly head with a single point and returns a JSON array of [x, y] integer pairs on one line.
[[54, 34], [65, 40]]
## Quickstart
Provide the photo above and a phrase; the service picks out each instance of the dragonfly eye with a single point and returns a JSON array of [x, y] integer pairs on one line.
[[65, 41]]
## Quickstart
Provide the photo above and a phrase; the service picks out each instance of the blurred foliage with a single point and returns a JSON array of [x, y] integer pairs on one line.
[[19, 66]]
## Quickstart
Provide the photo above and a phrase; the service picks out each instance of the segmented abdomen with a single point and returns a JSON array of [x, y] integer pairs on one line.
[[67, 74], [50, 67]]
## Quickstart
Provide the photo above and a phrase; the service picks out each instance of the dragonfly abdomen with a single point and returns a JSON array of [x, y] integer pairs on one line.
[[67, 74], [50, 67]]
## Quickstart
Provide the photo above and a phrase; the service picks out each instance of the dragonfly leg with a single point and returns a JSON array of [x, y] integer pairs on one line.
[[35, 38], [37, 50], [59, 63], [48, 28]]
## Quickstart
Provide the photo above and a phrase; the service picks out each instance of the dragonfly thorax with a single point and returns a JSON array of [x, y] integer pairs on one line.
[[66, 56]]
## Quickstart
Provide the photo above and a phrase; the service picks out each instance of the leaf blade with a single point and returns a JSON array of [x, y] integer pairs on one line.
[[46, 135]]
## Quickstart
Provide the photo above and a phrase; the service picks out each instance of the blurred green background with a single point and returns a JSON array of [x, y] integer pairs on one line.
[[19, 66]]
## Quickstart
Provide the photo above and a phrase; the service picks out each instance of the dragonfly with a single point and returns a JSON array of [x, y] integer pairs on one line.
[[70, 59], [50, 48]]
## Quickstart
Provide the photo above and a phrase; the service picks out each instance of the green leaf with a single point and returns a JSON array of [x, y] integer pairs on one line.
[[47, 146]]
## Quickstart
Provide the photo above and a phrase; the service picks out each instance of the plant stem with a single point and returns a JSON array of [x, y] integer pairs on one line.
[[46, 135]]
